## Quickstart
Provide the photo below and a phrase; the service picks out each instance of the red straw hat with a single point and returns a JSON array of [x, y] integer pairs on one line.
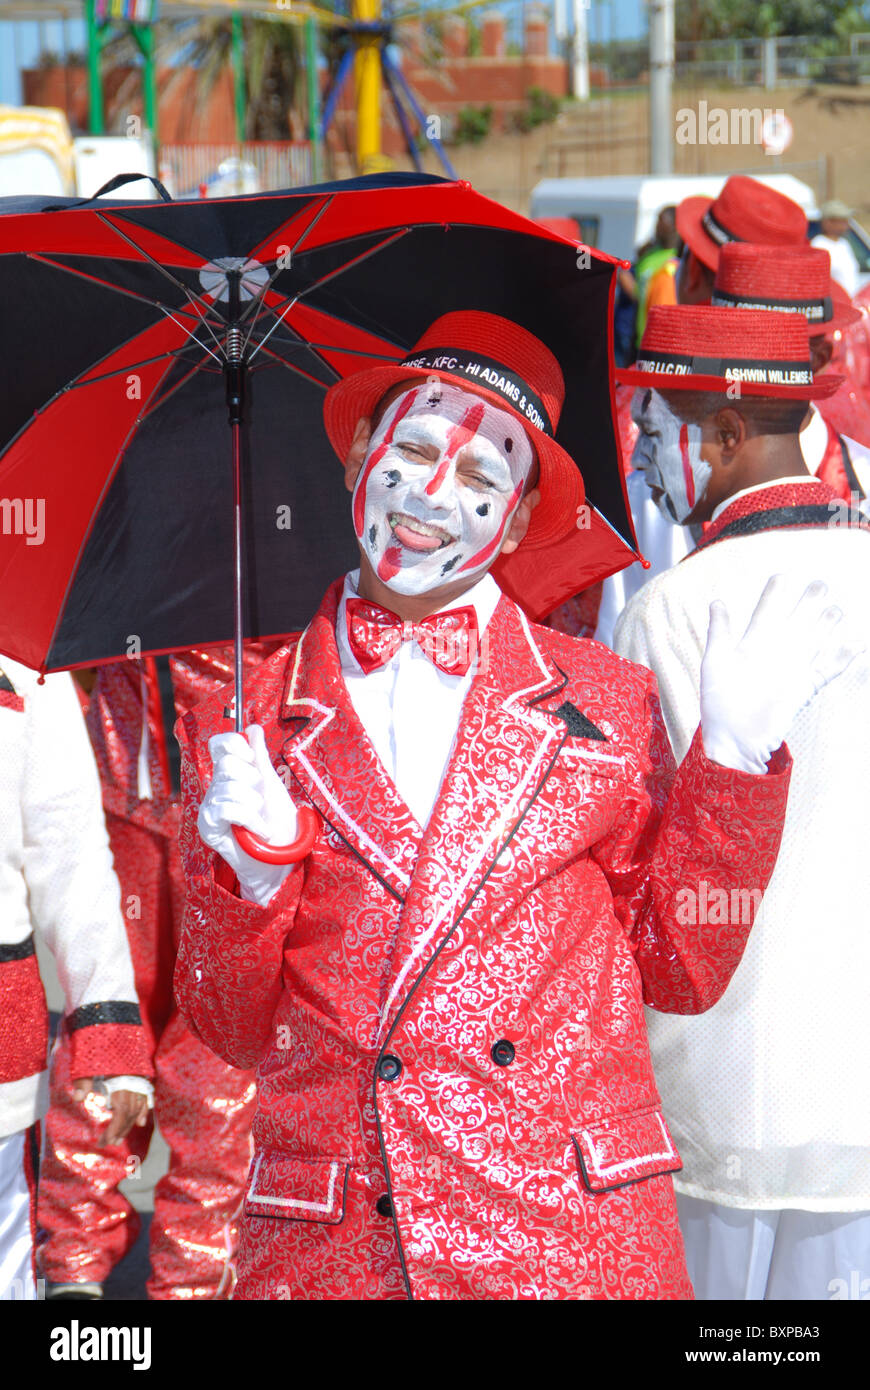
[[508, 366], [695, 347], [745, 210], [787, 279]]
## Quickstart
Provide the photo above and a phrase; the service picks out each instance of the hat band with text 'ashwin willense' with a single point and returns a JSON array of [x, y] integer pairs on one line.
[[814, 310], [486, 371], [763, 373]]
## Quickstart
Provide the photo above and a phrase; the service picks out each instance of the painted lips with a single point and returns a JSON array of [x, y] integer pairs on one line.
[[418, 535]]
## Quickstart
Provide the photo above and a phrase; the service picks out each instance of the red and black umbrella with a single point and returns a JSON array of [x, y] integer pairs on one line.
[[128, 329]]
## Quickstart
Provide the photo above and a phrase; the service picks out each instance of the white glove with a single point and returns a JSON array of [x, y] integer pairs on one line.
[[752, 690], [246, 790]]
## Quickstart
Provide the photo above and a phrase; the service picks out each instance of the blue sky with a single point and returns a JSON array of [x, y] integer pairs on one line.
[[622, 19]]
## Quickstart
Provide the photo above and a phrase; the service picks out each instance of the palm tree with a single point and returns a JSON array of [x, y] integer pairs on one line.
[[272, 67]]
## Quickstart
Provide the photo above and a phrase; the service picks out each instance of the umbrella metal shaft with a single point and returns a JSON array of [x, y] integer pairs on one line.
[[237, 573]]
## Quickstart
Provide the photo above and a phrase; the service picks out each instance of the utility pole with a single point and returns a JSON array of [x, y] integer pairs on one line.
[[661, 76], [580, 51]]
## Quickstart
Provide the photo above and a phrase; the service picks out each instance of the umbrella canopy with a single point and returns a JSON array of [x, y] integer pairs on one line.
[[115, 467]]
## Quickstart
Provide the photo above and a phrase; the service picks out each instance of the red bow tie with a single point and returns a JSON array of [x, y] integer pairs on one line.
[[449, 639]]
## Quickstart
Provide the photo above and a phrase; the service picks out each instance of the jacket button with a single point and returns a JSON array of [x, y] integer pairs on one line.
[[389, 1067], [383, 1206], [503, 1052]]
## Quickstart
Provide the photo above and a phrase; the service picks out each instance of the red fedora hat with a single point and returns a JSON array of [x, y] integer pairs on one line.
[[786, 279], [695, 347], [507, 366], [745, 210]]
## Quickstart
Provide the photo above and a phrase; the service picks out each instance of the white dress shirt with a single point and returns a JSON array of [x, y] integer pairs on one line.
[[408, 707]]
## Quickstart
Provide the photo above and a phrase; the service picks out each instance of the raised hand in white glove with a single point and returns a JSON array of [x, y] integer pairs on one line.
[[754, 687], [246, 790]]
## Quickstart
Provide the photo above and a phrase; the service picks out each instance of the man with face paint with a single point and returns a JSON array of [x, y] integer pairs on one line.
[[772, 1124], [444, 999]]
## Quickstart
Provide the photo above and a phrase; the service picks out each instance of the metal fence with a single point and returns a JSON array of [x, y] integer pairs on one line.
[[252, 167], [741, 62]]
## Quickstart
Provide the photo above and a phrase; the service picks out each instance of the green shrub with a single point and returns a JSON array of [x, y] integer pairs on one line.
[[540, 108], [472, 125]]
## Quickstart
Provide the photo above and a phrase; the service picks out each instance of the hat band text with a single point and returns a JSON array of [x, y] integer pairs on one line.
[[764, 372], [485, 371], [816, 310]]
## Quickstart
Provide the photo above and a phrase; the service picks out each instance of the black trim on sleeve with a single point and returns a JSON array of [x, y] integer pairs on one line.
[[108, 1011]]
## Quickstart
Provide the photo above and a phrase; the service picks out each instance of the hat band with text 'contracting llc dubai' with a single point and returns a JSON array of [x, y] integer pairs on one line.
[[783, 280], [755, 352]]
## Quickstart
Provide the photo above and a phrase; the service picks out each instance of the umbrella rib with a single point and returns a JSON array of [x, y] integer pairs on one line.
[[299, 341], [322, 281], [179, 284], [300, 371], [131, 294], [308, 228], [260, 301], [98, 280], [116, 371], [193, 336], [357, 352], [173, 354], [156, 404]]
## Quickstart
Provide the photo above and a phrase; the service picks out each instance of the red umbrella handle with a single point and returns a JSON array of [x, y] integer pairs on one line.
[[309, 828]]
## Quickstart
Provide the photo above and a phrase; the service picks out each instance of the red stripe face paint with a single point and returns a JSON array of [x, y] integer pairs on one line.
[[688, 475], [359, 497], [447, 505], [488, 551], [669, 453], [390, 563], [457, 435]]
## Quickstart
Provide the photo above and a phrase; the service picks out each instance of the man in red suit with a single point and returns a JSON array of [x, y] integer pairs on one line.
[[203, 1107], [444, 1001]]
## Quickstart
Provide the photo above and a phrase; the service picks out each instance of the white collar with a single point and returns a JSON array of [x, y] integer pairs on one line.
[[814, 440], [483, 596], [759, 487]]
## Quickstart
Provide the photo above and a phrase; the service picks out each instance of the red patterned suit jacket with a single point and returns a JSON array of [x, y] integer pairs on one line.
[[464, 1005]]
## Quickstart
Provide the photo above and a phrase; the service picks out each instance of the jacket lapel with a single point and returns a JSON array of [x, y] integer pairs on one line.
[[331, 757], [504, 751]]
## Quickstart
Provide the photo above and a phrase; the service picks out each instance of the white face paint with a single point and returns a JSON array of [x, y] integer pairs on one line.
[[443, 476], [668, 453]]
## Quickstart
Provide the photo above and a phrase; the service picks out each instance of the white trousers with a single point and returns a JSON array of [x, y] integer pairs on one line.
[[17, 1209], [787, 1255]]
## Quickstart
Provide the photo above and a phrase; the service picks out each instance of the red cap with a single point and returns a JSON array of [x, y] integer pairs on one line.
[[745, 210], [786, 279], [696, 347]]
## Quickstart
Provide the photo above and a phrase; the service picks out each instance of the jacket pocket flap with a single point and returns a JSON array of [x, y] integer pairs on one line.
[[297, 1189], [624, 1149]]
